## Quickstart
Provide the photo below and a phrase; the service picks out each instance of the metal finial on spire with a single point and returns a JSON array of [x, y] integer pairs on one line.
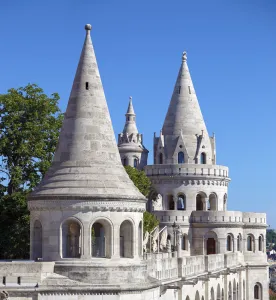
[[88, 27], [184, 56], [130, 98]]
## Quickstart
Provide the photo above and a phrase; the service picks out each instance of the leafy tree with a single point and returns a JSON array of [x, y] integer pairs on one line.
[[29, 128], [142, 182], [270, 236]]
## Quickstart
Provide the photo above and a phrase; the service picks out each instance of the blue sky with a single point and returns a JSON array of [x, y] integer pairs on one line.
[[231, 49]]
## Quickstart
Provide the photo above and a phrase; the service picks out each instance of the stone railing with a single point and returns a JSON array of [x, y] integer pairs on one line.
[[228, 217], [188, 170], [166, 266], [169, 216]]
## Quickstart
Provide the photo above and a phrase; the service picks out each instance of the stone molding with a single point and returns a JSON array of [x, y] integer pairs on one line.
[[195, 181]]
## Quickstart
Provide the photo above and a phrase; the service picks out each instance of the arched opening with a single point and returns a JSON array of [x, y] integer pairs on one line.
[[135, 162], [181, 157], [160, 158], [230, 291], [234, 290], [222, 294], [224, 202], [71, 239], [218, 292], [140, 238], [203, 158], [212, 294], [197, 297], [199, 202], [170, 202], [250, 243], [202, 298], [184, 242], [181, 202], [124, 162], [229, 243], [260, 244], [213, 202], [101, 239], [187, 298], [211, 246], [257, 291], [243, 290], [37, 240], [126, 239]]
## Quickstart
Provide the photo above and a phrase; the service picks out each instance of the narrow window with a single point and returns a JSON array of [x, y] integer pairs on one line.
[[181, 202], [260, 244], [189, 89], [160, 158], [135, 163], [18, 280], [179, 89], [229, 242], [180, 157], [203, 158], [249, 243], [256, 292], [4, 280], [86, 86], [124, 162]]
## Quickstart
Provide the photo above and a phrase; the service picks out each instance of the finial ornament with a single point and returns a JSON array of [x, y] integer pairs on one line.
[[184, 56], [130, 98], [88, 27]]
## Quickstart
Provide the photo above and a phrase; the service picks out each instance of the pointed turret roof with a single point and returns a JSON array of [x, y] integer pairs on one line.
[[130, 125], [184, 114], [87, 163]]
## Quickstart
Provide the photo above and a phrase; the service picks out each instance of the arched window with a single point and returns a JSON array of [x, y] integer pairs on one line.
[[37, 240], [135, 163], [160, 158], [184, 242], [230, 291], [199, 202], [101, 237], [229, 243], [234, 290], [243, 290], [181, 202], [218, 292], [222, 294], [126, 239], [170, 202], [181, 157], [238, 291], [260, 243], [197, 296], [124, 162], [71, 239], [250, 243], [257, 291], [203, 158], [212, 294], [211, 246]]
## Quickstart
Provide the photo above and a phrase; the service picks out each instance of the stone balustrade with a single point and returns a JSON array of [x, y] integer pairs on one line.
[[188, 170], [181, 217], [166, 266]]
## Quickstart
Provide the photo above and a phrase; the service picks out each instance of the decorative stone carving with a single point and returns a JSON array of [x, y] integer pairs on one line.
[[157, 203], [4, 295]]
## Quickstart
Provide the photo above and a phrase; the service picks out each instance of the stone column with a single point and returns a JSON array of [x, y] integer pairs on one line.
[[86, 242], [115, 248], [175, 202]]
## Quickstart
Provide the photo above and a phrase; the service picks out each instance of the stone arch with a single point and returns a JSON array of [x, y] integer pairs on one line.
[[71, 236], [261, 243], [224, 202], [135, 162], [197, 297], [200, 201], [213, 200], [212, 294], [211, 243], [258, 293], [230, 242], [185, 242], [140, 238], [230, 291], [187, 298], [170, 202], [37, 240], [181, 201], [250, 242], [218, 292], [101, 237], [127, 239]]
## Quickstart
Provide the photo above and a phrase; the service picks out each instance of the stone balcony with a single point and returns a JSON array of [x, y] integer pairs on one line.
[[189, 171]]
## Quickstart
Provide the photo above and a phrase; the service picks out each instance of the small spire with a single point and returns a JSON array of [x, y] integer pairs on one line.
[[130, 109], [184, 56]]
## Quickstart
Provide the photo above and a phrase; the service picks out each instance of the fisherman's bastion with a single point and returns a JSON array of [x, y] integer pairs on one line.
[[87, 239]]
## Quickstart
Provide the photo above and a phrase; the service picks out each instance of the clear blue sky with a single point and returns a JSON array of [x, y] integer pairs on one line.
[[231, 49]]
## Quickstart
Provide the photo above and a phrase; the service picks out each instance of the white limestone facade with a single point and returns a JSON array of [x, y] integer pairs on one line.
[[86, 227], [130, 142]]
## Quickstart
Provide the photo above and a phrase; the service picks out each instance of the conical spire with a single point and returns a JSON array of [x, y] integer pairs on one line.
[[184, 113], [130, 125], [87, 162]]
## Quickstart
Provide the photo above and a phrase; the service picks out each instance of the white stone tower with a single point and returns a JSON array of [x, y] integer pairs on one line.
[[130, 143], [86, 213]]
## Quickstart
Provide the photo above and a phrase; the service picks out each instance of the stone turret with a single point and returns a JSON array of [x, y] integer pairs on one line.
[[130, 143], [86, 212], [184, 129]]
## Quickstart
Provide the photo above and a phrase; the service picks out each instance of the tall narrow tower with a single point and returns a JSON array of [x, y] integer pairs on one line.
[[130, 143]]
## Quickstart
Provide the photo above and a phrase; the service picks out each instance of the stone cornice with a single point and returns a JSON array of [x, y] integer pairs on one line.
[[196, 180]]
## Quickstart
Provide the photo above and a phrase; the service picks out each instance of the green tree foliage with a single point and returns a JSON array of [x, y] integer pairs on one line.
[[142, 182], [270, 236], [29, 128]]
